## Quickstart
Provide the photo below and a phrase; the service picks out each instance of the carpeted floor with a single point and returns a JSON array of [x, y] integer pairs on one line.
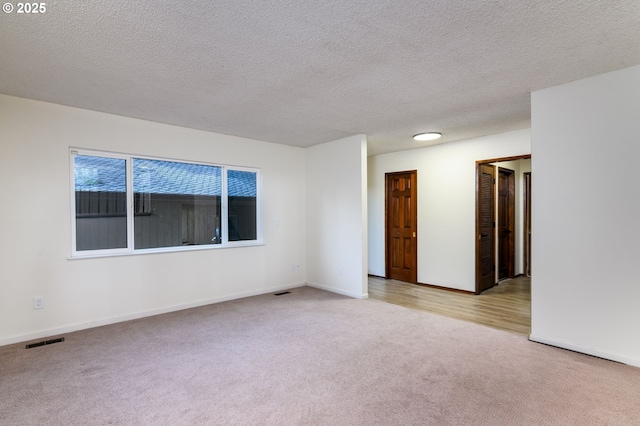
[[309, 358]]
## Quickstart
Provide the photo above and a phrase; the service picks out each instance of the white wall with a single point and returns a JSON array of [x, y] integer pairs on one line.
[[586, 232], [446, 204], [35, 226], [337, 216]]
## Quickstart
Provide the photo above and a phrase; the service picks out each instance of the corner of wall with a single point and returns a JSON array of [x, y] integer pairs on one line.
[[337, 216]]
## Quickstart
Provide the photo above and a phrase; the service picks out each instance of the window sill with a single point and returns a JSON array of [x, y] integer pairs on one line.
[[167, 250]]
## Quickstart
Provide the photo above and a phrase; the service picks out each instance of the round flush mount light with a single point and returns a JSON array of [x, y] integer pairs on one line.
[[430, 136]]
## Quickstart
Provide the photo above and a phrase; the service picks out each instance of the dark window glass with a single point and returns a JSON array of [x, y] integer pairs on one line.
[[176, 204], [242, 195], [101, 202]]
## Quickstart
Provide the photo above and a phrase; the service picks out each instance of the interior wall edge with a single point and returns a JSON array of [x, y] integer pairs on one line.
[[585, 350], [338, 291]]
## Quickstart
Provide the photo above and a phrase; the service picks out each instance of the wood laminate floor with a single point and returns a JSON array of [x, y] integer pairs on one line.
[[507, 306]]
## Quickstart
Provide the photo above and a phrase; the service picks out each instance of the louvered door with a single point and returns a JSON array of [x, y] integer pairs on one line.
[[485, 273], [506, 223]]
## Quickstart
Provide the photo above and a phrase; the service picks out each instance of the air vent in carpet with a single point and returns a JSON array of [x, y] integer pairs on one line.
[[280, 294], [45, 342]]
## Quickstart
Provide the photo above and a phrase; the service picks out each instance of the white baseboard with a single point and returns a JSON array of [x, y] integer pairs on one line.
[[586, 350], [339, 291], [91, 324]]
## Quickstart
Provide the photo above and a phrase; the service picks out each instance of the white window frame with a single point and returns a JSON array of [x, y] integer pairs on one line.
[[130, 249]]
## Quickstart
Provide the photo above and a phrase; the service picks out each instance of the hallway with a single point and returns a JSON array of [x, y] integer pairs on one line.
[[506, 306]]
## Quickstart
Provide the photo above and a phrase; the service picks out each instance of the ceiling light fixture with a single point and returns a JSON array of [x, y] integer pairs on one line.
[[430, 136]]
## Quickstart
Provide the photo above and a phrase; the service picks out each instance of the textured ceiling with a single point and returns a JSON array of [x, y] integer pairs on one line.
[[303, 73]]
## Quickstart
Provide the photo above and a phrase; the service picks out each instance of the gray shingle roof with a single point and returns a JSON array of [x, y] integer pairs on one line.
[[101, 174]]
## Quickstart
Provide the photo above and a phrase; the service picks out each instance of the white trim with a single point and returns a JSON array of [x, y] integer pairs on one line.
[[259, 202], [72, 197], [224, 207], [175, 249], [130, 207], [585, 350], [107, 321], [339, 291]]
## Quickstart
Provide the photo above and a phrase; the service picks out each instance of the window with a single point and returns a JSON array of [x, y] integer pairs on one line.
[[100, 203], [242, 205], [176, 204], [127, 203]]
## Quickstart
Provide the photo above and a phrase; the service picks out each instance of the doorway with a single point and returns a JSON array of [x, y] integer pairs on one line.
[[401, 254], [500, 215]]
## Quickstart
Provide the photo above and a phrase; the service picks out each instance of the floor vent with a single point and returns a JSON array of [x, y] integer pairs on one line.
[[45, 342], [280, 294]]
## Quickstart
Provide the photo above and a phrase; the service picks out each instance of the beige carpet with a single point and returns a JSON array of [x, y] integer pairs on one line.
[[309, 358]]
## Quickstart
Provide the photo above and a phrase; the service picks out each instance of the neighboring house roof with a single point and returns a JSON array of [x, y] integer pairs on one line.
[[101, 174]]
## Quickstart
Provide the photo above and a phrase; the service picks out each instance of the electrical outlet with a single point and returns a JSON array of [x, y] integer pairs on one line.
[[38, 302], [295, 266]]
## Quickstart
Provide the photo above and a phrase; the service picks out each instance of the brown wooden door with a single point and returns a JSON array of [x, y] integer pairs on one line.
[[485, 228], [401, 226], [506, 223]]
